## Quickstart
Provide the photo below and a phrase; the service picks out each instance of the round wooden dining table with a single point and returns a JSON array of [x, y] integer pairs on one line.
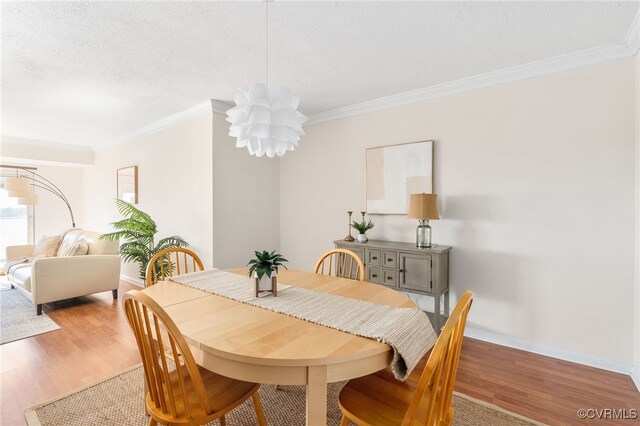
[[248, 343]]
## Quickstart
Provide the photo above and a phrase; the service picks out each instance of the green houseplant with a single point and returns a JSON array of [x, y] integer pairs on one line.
[[139, 230], [266, 263], [362, 228], [264, 270]]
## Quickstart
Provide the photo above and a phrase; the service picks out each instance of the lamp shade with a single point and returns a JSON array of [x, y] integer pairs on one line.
[[16, 184], [18, 193], [30, 200], [423, 207]]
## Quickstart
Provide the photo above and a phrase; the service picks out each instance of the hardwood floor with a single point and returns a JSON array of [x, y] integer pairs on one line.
[[95, 342]]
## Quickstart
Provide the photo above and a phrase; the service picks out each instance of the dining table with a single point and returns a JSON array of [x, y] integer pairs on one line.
[[254, 344]]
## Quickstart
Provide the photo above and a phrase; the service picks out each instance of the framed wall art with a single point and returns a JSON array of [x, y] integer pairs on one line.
[[394, 172], [128, 184]]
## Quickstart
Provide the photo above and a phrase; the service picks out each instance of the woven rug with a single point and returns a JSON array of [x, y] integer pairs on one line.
[[407, 330], [18, 318], [119, 401]]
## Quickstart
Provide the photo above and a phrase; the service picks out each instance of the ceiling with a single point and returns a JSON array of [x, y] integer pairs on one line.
[[85, 73]]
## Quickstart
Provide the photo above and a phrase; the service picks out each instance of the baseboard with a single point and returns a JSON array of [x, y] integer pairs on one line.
[[635, 376], [550, 351], [130, 280]]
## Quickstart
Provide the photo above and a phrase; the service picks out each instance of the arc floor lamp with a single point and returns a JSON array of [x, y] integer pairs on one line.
[[18, 186]]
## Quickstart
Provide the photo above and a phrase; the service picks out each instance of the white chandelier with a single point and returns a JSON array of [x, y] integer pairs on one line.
[[265, 123]]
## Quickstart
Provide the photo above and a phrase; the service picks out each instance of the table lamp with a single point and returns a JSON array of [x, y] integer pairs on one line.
[[423, 207]]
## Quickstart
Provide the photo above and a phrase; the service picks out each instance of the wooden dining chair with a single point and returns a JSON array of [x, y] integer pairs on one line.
[[179, 392], [341, 263], [170, 262], [379, 399]]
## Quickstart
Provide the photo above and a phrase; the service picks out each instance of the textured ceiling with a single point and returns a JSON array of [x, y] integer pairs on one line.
[[87, 72]]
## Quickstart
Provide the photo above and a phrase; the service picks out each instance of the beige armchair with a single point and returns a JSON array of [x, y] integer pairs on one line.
[[48, 279]]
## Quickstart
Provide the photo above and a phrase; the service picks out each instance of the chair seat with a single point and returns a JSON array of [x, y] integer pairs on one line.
[[377, 399], [380, 399], [224, 395]]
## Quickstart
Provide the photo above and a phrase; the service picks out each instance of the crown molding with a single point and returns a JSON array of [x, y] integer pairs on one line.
[[219, 106], [595, 55], [187, 114], [36, 143]]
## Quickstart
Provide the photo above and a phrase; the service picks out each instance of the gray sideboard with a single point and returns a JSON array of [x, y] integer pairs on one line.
[[404, 267]]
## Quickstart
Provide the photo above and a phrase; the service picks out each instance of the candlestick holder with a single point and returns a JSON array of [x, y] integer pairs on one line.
[[349, 237]]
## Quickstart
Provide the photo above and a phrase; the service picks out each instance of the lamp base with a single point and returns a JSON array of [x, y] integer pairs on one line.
[[423, 235]]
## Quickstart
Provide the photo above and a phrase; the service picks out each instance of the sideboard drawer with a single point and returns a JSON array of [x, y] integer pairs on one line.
[[389, 259], [374, 275], [373, 257], [390, 278]]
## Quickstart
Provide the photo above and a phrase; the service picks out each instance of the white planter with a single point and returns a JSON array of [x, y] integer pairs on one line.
[[265, 282], [363, 238]]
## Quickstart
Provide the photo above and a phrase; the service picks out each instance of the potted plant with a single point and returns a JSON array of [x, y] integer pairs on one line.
[[138, 230], [362, 228], [264, 269]]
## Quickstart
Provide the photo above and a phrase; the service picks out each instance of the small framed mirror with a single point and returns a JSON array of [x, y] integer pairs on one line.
[[128, 184]]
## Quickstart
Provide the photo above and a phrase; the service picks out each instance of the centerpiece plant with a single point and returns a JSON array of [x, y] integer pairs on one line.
[[266, 263], [138, 230], [263, 268]]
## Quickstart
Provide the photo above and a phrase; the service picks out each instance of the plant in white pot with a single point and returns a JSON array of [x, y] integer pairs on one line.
[[362, 228], [264, 270]]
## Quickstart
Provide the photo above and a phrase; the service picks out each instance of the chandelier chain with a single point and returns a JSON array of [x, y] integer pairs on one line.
[[266, 30]]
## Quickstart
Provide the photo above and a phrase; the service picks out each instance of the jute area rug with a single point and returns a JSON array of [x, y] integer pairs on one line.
[[119, 401], [18, 318]]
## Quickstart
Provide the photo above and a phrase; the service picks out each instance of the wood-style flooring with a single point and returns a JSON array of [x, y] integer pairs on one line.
[[95, 342]]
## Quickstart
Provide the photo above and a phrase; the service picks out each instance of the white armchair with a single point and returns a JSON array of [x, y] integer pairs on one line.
[[49, 279]]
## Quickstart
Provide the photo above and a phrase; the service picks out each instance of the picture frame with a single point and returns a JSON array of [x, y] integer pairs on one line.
[[395, 171], [127, 184]]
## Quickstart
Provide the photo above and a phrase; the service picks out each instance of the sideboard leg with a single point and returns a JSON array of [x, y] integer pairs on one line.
[[436, 312]]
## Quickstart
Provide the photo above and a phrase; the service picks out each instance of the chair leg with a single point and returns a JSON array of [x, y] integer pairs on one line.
[[223, 421], [276, 387], [257, 405], [152, 422], [114, 293], [345, 421], [39, 309]]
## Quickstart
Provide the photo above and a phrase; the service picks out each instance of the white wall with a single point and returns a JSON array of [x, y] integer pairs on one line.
[[51, 214], [194, 182], [536, 181], [246, 200], [174, 184], [636, 372]]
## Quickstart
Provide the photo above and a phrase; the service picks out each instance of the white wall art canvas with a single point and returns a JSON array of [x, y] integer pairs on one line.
[[394, 172]]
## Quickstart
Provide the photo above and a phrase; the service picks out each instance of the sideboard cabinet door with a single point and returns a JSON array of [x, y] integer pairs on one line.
[[415, 272]]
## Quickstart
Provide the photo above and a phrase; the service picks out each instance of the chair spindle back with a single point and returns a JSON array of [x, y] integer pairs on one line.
[[341, 263], [171, 262], [171, 374]]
